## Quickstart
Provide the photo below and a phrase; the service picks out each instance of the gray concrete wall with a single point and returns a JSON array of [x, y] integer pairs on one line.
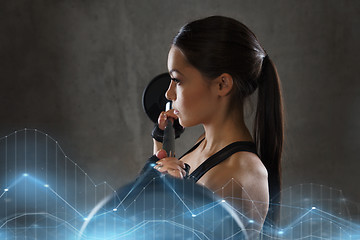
[[76, 70]]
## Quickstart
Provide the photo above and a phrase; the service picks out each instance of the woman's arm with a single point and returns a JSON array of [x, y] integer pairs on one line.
[[157, 146]]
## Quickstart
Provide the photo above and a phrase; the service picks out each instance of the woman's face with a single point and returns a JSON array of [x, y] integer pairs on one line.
[[193, 96]]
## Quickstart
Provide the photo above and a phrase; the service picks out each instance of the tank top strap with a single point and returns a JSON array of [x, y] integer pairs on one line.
[[220, 156]]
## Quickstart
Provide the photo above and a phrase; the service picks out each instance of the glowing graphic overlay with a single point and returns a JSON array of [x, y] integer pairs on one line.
[[43, 193], [46, 195]]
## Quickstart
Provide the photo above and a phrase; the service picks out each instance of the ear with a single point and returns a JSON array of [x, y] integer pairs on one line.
[[224, 84]]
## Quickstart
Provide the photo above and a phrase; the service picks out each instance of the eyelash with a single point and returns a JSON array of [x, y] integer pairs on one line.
[[175, 80]]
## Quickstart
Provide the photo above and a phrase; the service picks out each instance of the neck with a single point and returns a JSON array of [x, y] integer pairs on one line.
[[223, 131]]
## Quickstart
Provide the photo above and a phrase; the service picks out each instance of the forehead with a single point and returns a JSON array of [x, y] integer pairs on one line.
[[176, 59]]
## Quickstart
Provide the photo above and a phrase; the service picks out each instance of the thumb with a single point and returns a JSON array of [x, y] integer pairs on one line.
[[161, 154]]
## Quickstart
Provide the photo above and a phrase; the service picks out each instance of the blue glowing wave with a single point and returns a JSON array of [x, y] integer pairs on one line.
[[46, 195]]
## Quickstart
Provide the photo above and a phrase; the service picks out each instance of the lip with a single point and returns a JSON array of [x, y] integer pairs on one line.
[[176, 111]]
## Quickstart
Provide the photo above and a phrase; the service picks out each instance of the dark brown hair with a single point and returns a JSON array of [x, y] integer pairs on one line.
[[217, 45]]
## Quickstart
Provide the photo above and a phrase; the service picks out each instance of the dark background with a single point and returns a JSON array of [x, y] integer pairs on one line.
[[77, 69]]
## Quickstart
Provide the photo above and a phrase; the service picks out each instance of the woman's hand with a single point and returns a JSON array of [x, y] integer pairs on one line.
[[169, 165], [164, 116], [162, 123]]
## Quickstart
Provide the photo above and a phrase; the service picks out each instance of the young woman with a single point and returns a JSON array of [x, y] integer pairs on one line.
[[215, 64]]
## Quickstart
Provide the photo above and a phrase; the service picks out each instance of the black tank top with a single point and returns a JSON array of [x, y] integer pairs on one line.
[[219, 156]]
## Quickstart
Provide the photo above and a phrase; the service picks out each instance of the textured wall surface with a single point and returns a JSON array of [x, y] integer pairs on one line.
[[76, 70]]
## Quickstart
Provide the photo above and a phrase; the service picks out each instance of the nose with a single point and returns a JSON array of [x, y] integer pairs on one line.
[[170, 93]]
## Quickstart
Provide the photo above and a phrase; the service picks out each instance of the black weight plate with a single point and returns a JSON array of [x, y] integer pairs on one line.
[[153, 99]]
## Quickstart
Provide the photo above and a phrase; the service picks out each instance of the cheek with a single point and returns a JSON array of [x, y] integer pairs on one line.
[[191, 99], [194, 104]]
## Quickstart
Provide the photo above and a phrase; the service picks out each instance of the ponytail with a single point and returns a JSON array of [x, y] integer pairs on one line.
[[268, 133]]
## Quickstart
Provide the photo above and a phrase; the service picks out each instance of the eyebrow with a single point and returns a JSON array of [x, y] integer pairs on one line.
[[175, 70]]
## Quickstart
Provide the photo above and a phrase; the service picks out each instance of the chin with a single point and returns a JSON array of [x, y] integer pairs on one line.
[[182, 123], [185, 123]]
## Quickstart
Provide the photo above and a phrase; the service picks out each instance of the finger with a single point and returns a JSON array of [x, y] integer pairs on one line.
[[174, 165], [161, 154], [164, 116], [176, 173], [161, 168], [171, 161], [168, 159], [158, 167], [170, 114], [162, 120], [169, 168]]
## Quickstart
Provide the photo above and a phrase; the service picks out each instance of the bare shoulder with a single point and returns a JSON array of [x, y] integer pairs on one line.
[[247, 164], [244, 167]]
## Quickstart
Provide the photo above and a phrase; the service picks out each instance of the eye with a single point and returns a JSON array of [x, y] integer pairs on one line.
[[176, 80]]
